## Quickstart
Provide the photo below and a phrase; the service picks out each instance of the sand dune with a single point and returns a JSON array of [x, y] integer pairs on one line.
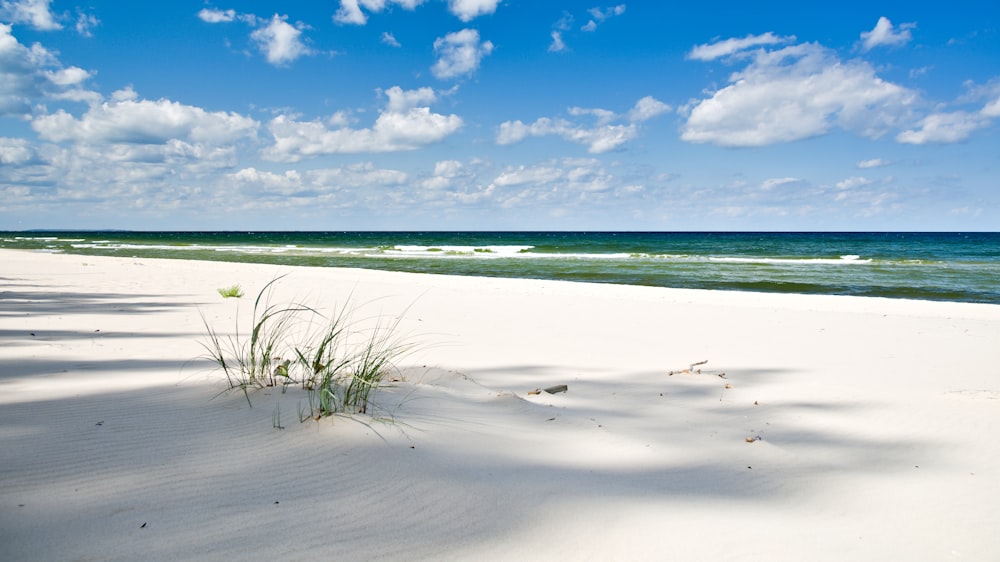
[[843, 428]]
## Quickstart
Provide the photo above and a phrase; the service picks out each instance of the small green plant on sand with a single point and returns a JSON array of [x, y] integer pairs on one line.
[[254, 360], [338, 366], [233, 291], [340, 376]]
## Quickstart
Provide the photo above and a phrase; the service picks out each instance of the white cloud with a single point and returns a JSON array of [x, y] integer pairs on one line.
[[770, 184], [603, 116], [467, 10], [992, 109], [950, 127], [401, 101], [550, 183], [85, 23], [448, 168], [646, 109], [599, 16], [125, 94], [521, 175], [459, 53], [853, 182], [213, 15], [287, 183], [872, 163], [35, 13], [557, 45], [67, 76], [727, 47], [445, 174], [280, 41], [360, 175], [350, 11], [602, 137], [28, 75], [312, 193], [884, 35], [599, 139], [15, 151], [390, 39], [131, 121], [405, 124], [797, 92]]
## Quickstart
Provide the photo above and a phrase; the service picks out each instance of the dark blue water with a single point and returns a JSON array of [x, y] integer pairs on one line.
[[931, 266]]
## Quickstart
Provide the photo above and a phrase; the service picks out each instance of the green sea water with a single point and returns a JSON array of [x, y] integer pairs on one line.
[[930, 266]]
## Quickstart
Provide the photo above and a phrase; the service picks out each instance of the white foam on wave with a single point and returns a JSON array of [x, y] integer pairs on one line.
[[499, 251], [403, 251], [116, 246], [842, 260]]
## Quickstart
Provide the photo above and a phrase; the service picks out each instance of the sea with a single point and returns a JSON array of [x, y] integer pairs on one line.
[[943, 266]]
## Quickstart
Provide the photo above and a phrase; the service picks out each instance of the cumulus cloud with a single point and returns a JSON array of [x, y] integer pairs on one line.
[[853, 182], [313, 184], [553, 182], [557, 45], [214, 15], [467, 10], [406, 123], [67, 76], [598, 139], [15, 151], [128, 120], [727, 47], [351, 13], [358, 175], [992, 109], [885, 35], [122, 152], [598, 16], [280, 41], [459, 53], [31, 74], [446, 172], [401, 101], [35, 13], [601, 116], [646, 109], [949, 127], [793, 93], [603, 136], [287, 183]]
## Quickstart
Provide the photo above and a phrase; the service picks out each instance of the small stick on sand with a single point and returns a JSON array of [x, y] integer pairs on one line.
[[692, 371]]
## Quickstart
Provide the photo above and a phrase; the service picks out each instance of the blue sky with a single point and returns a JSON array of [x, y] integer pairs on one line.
[[499, 114]]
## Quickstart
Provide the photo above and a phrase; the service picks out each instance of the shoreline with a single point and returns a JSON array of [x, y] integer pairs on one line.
[[863, 410], [948, 267], [751, 294]]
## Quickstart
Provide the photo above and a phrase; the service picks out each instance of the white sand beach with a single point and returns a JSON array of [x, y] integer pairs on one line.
[[843, 429]]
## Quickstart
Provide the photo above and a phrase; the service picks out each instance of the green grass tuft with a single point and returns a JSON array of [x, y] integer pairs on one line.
[[338, 366], [234, 291]]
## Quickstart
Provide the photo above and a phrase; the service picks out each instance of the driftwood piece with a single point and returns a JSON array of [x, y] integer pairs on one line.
[[692, 371], [551, 390]]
